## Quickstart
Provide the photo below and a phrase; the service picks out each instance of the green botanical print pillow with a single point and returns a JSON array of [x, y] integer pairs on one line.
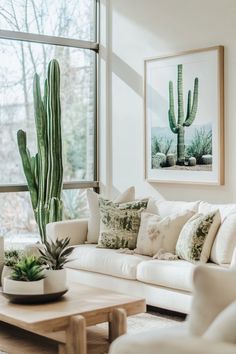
[[197, 236], [119, 223]]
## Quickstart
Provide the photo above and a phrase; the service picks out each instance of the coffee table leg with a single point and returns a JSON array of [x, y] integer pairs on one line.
[[76, 340], [61, 349], [117, 324]]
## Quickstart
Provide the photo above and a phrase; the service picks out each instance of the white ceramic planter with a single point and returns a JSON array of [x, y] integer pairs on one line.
[[23, 287], [5, 273], [55, 281]]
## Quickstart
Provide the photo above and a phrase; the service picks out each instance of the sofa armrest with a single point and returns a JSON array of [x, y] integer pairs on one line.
[[76, 230]]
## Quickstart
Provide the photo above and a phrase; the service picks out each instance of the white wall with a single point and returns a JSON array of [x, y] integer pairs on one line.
[[137, 29]]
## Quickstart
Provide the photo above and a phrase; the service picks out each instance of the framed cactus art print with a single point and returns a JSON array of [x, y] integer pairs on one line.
[[184, 117]]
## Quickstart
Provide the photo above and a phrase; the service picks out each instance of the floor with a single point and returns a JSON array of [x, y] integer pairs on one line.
[[153, 318]]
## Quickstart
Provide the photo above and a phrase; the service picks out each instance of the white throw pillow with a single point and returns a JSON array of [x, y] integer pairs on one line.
[[156, 233], [165, 208], [214, 289], [224, 209], [225, 241], [94, 214], [223, 327], [197, 236]]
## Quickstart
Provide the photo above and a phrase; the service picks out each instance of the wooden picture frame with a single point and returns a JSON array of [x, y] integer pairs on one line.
[[184, 131]]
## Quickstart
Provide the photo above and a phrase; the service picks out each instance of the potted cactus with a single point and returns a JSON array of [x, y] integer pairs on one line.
[[27, 277], [54, 256], [44, 171]]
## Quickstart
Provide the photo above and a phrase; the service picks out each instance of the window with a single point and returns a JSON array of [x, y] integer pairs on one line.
[[31, 33]]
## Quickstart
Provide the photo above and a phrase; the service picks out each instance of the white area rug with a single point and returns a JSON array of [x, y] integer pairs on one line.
[[146, 321]]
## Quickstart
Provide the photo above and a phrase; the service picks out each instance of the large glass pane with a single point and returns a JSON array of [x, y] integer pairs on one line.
[[63, 18], [19, 62], [75, 204], [17, 223]]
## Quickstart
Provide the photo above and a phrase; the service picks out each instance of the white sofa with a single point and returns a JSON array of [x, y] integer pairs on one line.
[[164, 283]]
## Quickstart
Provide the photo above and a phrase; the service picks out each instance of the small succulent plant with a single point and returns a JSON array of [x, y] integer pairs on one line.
[[11, 257], [55, 254], [27, 269]]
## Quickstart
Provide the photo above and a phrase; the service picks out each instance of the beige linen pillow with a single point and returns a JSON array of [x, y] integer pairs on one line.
[[223, 327], [119, 223], [165, 208], [94, 216], [225, 241], [197, 236], [156, 233], [214, 289]]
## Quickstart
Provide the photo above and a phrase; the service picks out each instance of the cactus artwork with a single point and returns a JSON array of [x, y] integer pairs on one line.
[[178, 125], [44, 171]]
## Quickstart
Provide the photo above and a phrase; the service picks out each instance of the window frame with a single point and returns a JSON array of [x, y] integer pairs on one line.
[[79, 44]]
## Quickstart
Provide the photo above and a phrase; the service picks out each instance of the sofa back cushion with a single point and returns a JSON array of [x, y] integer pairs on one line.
[[165, 208], [225, 241], [224, 209]]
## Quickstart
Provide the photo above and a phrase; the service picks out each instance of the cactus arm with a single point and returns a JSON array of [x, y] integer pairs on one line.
[[36, 170], [54, 181], [56, 208], [190, 118], [189, 104], [171, 112], [26, 163], [41, 128], [180, 95]]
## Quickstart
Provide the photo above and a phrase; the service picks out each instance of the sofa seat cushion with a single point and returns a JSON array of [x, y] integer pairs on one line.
[[174, 274], [171, 274], [105, 261]]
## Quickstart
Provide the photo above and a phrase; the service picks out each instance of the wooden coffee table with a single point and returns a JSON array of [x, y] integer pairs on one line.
[[66, 320]]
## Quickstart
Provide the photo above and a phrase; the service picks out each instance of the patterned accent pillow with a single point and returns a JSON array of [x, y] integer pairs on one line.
[[197, 236], [119, 223], [160, 234]]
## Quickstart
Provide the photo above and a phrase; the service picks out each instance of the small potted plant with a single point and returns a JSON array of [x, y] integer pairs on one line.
[[27, 277], [11, 257], [55, 256]]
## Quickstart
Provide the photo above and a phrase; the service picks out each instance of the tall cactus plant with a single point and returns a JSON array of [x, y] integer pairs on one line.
[[44, 171], [178, 127]]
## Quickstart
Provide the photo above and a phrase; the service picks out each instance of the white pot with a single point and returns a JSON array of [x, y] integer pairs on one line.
[[5, 273], [55, 280], [11, 286]]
